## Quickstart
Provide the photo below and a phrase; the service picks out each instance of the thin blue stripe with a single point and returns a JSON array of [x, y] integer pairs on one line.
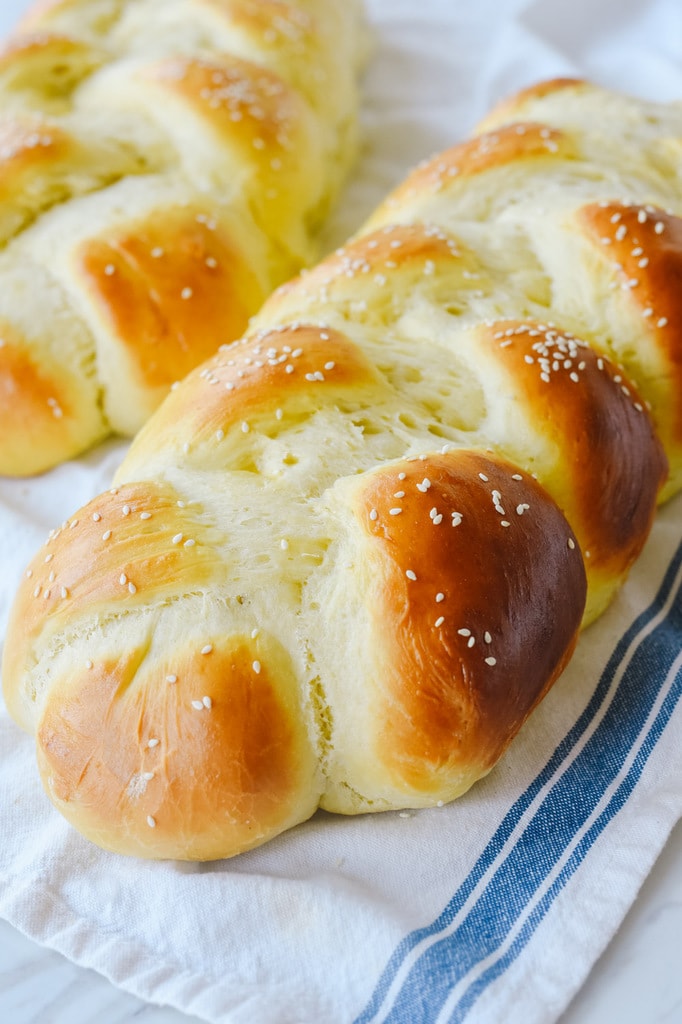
[[528, 870], [617, 802], [561, 814]]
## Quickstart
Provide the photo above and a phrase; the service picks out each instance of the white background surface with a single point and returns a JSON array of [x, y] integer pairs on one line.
[[638, 979]]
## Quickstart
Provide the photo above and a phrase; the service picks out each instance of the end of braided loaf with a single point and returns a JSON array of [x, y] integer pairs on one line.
[[351, 552]]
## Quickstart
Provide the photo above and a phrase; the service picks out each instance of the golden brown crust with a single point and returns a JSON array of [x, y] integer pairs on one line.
[[468, 629], [644, 244], [380, 616], [492, 150], [171, 291], [28, 148], [252, 112], [610, 464], [512, 108], [250, 384], [46, 60], [270, 22], [126, 547], [117, 132], [358, 279], [37, 403], [206, 766]]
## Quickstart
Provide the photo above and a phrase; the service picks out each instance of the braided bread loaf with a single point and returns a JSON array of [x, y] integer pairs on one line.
[[348, 555], [163, 165]]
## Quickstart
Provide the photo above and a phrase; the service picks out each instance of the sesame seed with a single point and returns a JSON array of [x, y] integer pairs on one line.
[[374, 515], [440, 597], [487, 637], [190, 543], [147, 776], [177, 538], [153, 743], [171, 679], [662, 322], [145, 515], [491, 661], [96, 517], [110, 269], [207, 649], [186, 293], [106, 535], [464, 632], [571, 543], [157, 252], [503, 522], [411, 575], [123, 579], [132, 588], [256, 666], [516, 476], [399, 494], [659, 227], [151, 821], [245, 427], [483, 477], [439, 621], [471, 641], [89, 664], [198, 705], [394, 511], [126, 510]]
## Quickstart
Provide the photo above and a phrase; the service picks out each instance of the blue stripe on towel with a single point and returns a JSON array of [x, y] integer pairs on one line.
[[590, 775]]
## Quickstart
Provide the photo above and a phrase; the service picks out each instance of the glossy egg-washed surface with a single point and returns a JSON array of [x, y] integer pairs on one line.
[[158, 178], [351, 552]]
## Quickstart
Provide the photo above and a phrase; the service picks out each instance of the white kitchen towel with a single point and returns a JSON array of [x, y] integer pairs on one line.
[[493, 908]]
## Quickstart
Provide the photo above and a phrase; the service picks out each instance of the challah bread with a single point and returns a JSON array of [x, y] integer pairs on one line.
[[348, 555], [163, 165]]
